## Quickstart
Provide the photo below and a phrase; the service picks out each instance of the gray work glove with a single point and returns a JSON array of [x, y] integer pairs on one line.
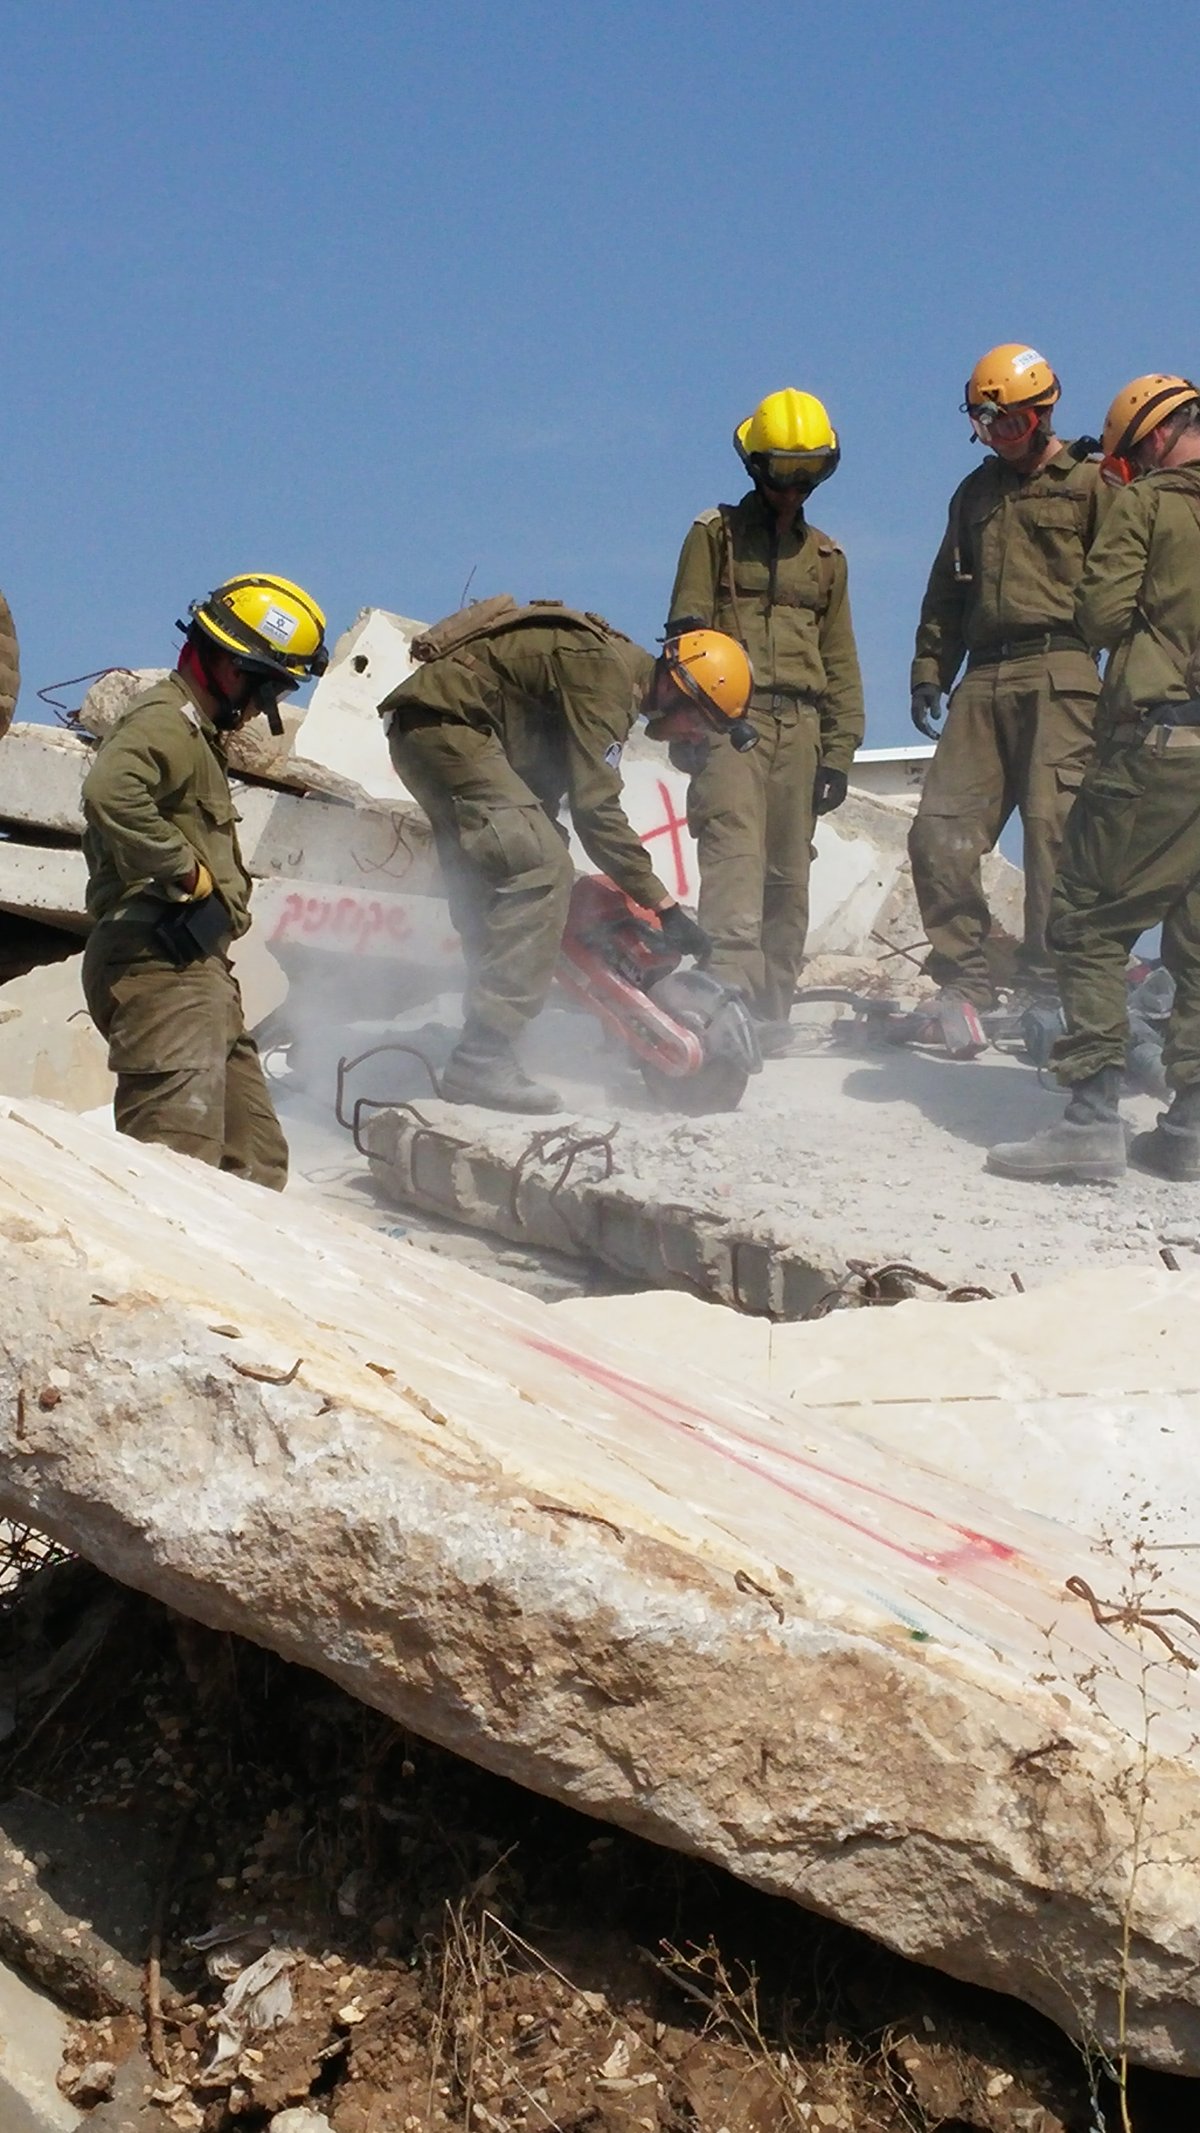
[[681, 932], [926, 709]]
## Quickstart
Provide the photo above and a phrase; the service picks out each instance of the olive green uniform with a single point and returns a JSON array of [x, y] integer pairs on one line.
[[156, 800], [785, 599], [489, 739], [1132, 852], [1019, 728], [10, 666]]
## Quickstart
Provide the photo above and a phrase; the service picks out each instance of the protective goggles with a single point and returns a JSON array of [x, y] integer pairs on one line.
[[794, 470], [1003, 425]]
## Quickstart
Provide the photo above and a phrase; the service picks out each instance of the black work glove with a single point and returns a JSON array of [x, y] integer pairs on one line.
[[926, 709], [688, 756], [829, 790], [681, 932]]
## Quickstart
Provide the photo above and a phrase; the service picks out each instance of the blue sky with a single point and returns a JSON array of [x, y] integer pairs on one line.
[[381, 296]]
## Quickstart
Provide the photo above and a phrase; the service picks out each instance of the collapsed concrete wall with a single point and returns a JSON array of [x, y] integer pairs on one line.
[[752, 1632]]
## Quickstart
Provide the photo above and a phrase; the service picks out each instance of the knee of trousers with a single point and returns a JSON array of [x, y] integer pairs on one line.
[[945, 843]]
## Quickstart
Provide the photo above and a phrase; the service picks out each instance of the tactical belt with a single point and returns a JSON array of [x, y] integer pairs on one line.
[[1164, 728], [778, 700], [991, 655], [206, 923]]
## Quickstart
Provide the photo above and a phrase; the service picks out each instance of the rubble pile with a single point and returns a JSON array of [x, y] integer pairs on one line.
[[776, 1636], [354, 1924]]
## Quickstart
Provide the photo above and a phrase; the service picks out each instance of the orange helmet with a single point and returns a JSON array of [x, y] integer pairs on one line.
[[1011, 375], [1139, 408], [714, 673]]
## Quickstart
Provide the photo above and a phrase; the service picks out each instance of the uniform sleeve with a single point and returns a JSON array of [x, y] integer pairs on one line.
[[595, 695], [10, 666], [843, 720], [696, 576], [1107, 595], [940, 648], [146, 756]]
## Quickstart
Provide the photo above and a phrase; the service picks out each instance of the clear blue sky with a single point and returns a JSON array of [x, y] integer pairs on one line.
[[380, 295]]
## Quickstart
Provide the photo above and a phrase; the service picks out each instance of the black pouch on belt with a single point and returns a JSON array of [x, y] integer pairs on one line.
[[188, 932]]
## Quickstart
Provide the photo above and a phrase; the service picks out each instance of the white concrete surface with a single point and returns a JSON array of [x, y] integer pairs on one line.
[[33, 2036], [748, 1627]]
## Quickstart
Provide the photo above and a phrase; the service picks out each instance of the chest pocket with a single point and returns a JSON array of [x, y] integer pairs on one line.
[[1053, 526]]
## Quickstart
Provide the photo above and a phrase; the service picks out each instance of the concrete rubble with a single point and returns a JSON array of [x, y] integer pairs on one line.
[[785, 1635]]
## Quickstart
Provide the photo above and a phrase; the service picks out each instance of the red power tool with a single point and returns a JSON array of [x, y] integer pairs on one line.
[[692, 1036]]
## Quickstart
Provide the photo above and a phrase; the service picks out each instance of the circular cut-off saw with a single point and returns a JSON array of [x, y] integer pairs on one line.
[[692, 1036]]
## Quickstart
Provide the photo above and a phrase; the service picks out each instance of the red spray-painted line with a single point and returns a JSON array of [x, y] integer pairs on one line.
[[685, 1418]]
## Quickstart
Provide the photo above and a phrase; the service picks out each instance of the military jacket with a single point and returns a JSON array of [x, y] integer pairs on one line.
[[788, 603], [155, 801], [561, 695], [1140, 593], [1011, 558], [10, 666]]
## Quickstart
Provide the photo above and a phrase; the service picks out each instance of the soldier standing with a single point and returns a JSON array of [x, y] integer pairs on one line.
[[1018, 731], [1132, 853], [511, 709], [167, 888], [758, 571]]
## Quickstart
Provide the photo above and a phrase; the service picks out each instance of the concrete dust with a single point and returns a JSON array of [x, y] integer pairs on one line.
[[878, 1155]]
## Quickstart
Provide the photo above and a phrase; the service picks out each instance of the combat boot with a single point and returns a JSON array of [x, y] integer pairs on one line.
[[484, 1069], [1172, 1148], [1086, 1146]]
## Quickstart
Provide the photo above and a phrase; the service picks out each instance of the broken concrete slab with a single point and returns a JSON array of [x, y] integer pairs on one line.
[[740, 1627], [254, 751], [45, 882], [44, 769], [341, 727], [33, 2037], [49, 1046], [555, 1190]]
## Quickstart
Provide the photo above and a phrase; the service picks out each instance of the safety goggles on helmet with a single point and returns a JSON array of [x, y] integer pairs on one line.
[[793, 470], [993, 424]]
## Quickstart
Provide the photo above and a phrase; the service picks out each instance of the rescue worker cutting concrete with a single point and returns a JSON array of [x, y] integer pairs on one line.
[[167, 888], [1018, 731], [510, 710], [1132, 852], [758, 571], [10, 666]]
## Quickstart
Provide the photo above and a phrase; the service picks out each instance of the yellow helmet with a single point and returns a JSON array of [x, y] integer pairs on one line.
[[1011, 375], [270, 626], [788, 442], [1139, 408], [715, 674]]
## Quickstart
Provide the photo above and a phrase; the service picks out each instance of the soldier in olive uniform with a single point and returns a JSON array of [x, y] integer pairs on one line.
[[167, 888], [1018, 732], [1131, 858], [10, 666], [760, 572], [511, 709]]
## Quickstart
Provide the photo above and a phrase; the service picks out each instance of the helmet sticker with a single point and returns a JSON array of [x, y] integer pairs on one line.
[[1025, 361], [612, 755], [278, 625]]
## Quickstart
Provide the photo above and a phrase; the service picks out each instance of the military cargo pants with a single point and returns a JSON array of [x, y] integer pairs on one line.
[[507, 869], [752, 818], [1018, 736], [188, 1075], [1131, 858]]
